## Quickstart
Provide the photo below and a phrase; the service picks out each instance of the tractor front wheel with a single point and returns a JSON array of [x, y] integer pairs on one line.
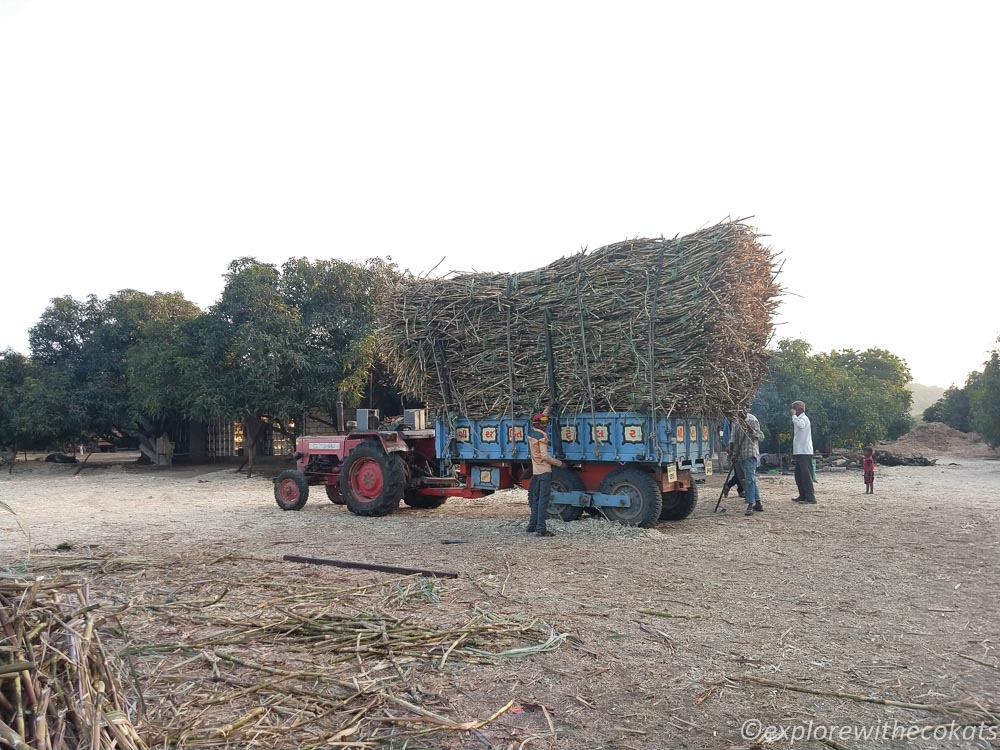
[[371, 482], [291, 490]]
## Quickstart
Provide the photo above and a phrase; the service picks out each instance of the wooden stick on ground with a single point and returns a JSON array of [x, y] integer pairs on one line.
[[947, 708], [80, 467], [369, 566]]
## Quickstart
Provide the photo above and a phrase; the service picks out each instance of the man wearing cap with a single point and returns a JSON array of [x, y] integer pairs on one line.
[[540, 489]]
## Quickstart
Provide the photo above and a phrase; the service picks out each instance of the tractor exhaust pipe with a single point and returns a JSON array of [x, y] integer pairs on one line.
[[340, 417]]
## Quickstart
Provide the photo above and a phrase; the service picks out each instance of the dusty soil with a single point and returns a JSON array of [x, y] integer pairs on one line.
[[893, 595], [937, 439]]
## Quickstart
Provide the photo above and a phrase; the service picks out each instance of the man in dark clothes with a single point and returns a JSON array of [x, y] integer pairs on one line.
[[540, 489]]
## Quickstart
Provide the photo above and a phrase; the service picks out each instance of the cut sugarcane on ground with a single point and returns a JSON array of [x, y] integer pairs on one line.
[[890, 596], [342, 658]]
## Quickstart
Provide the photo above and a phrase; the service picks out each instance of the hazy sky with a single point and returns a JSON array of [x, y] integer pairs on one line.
[[146, 145]]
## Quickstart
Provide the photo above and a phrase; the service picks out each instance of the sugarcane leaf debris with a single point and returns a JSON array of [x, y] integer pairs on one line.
[[97, 659]]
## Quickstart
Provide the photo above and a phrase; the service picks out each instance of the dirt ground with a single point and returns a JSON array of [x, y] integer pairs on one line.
[[934, 439], [894, 596]]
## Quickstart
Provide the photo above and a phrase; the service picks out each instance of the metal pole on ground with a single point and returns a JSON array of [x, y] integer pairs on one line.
[[722, 492]]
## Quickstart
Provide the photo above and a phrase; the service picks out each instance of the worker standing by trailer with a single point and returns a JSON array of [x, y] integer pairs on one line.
[[540, 490]]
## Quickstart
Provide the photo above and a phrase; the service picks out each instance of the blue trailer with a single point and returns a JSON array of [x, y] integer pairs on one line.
[[629, 466]]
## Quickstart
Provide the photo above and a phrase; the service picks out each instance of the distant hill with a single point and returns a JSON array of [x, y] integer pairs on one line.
[[923, 396]]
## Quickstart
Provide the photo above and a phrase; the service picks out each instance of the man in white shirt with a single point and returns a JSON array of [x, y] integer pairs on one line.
[[802, 450]]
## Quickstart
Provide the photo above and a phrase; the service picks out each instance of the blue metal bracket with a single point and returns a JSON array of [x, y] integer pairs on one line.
[[591, 499]]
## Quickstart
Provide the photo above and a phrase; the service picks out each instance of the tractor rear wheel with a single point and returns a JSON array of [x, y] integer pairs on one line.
[[371, 482], [416, 500], [291, 490], [679, 505], [333, 492], [642, 490], [566, 480]]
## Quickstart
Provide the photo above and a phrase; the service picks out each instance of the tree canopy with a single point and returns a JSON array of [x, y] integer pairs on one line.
[[853, 398], [15, 384], [94, 362], [280, 341], [976, 406]]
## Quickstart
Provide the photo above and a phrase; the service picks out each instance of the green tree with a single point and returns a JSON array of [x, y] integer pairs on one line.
[[984, 400], [852, 397], [97, 362], [57, 397], [793, 374], [870, 396], [244, 357], [336, 301], [953, 408], [14, 384], [37, 408], [280, 342], [153, 344]]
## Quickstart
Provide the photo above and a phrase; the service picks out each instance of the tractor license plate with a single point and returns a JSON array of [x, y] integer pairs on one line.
[[672, 473], [324, 446], [708, 467]]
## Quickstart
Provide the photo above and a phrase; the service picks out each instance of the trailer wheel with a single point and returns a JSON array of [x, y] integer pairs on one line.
[[333, 493], [566, 480], [679, 505], [416, 500], [291, 490], [642, 489], [371, 482]]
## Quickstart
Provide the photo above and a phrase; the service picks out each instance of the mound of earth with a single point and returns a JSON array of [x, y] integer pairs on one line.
[[937, 438]]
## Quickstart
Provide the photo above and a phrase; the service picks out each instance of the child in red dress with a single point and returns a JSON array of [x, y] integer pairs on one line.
[[869, 466]]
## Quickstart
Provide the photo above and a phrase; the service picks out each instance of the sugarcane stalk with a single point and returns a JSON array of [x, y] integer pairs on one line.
[[13, 738], [10, 671]]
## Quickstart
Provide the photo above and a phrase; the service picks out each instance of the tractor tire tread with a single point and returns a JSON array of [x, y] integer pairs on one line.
[[424, 502], [649, 491], [679, 508], [394, 481], [301, 483]]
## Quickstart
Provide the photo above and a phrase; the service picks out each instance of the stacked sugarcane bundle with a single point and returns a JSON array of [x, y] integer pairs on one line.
[[58, 689], [677, 326]]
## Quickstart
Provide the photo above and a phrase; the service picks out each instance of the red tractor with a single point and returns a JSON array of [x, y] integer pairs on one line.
[[370, 471]]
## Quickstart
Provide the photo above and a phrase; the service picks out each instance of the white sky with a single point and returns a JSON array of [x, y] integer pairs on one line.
[[146, 145]]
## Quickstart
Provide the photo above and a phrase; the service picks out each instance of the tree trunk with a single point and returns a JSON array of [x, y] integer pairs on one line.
[[251, 429], [13, 458], [248, 447], [158, 452]]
